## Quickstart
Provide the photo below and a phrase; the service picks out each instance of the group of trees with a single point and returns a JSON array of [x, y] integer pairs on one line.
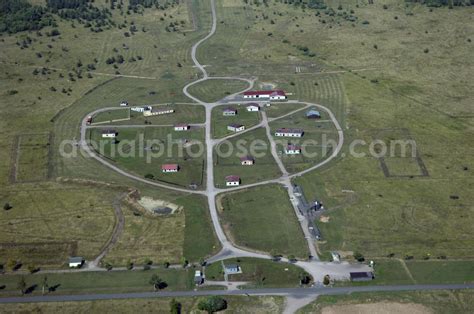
[[20, 15], [440, 3]]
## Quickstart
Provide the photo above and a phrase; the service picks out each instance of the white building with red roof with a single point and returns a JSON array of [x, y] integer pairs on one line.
[[181, 127], [291, 149], [247, 161], [232, 181], [265, 94], [284, 132], [169, 168]]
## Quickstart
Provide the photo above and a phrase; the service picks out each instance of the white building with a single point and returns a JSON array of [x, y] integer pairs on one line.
[[253, 107], [232, 181], [265, 94], [292, 150], [235, 127], [109, 133], [140, 109], [181, 127], [123, 104], [166, 168], [289, 132], [229, 112], [76, 262]]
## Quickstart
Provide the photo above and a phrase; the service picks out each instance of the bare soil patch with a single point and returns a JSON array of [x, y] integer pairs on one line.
[[380, 308]]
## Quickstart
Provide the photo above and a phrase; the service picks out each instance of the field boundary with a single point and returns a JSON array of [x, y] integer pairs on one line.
[[383, 165], [15, 156]]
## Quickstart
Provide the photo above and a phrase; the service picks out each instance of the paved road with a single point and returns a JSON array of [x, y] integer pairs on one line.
[[296, 292]]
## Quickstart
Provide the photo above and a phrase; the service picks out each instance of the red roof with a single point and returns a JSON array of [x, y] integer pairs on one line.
[[245, 158], [278, 92], [169, 167], [232, 179], [285, 130], [293, 147]]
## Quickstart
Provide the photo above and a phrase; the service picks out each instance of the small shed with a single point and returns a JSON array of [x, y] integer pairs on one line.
[[124, 104], [313, 114], [335, 257], [292, 149], [198, 277], [76, 262]]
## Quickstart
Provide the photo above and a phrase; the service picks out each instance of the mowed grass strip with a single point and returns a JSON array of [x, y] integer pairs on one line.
[[258, 272], [254, 143], [219, 122], [260, 304], [263, 219], [279, 109], [99, 282], [143, 150], [442, 271], [111, 115], [215, 89]]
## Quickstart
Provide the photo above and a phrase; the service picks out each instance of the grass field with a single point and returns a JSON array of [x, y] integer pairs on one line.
[[228, 162], [280, 109], [219, 122], [143, 151], [444, 301], [235, 304], [317, 143], [184, 113], [111, 116], [216, 89], [32, 157], [49, 222], [100, 282], [258, 272], [266, 224]]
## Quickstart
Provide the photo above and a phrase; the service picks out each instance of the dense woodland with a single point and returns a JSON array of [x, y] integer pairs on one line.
[[20, 15]]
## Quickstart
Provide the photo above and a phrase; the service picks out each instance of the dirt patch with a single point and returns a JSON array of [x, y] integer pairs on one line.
[[324, 219], [380, 308], [158, 207], [345, 254]]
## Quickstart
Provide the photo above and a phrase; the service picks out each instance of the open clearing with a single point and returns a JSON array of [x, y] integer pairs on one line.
[[215, 89], [258, 272], [443, 301], [227, 158], [266, 224], [144, 150], [235, 304], [219, 122]]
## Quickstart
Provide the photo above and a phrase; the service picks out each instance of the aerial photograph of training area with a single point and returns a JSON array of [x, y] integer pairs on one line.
[[237, 156]]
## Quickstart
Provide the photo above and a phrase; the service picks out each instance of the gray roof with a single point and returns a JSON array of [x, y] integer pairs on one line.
[[232, 266], [76, 259]]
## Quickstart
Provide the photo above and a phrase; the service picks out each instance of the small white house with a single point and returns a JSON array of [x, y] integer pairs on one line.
[[292, 150], [284, 132], [181, 127], [232, 181], [123, 104], [229, 112], [76, 262], [141, 109], [234, 127], [198, 277], [109, 133], [253, 107], [232, 269], [247, 161]]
